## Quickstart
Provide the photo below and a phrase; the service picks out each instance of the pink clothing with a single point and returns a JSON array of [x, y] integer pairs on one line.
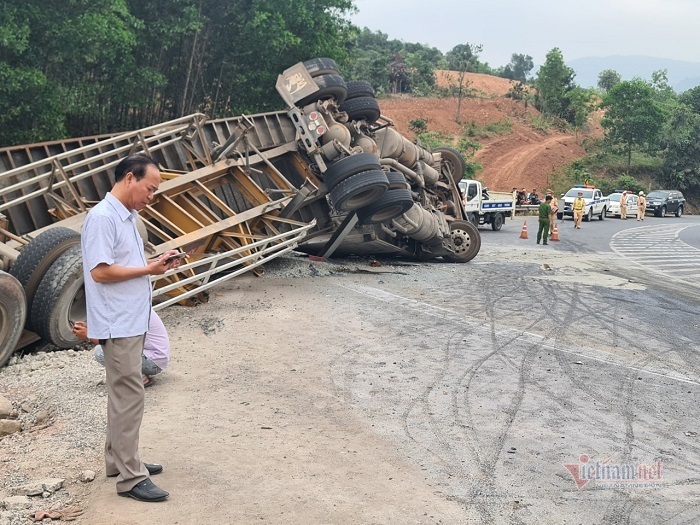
[[156, 347]]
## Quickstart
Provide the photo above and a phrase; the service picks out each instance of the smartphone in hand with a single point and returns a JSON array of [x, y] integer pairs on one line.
[[174, 257]]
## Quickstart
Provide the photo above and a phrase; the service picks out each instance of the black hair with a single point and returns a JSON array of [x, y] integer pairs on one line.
[[548, 198], [136, 164]]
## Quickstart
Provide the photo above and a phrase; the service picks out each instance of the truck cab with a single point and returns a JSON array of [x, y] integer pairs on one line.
[[484, 206], [596, 203]]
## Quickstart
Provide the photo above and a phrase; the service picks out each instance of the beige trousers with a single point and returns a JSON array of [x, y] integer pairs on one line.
[[125, 401], [578, 216], [623, 211]]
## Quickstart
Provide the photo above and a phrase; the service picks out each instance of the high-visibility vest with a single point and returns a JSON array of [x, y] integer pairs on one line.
[[579, 203]]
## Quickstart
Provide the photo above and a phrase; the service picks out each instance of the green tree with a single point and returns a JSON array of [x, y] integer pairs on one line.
[[461, 58], [608, 79], [518, 68], [582, 102], [633, 118], [554, 80], [682, 155], [29, 102], [691, 98]]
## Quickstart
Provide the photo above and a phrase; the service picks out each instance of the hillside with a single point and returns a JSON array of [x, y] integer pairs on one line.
[[521, 157]]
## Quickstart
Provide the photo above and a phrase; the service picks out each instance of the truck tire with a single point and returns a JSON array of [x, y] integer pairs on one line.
[[397, 181], [330, 86], [497, 222], [321, 66], [603, 214], [589, 215], [359, 190], [466, 242], [362, 108], [59, 298], [453, 163], [389, 206], [472, 217], [13, 313], [679, 211], [35, 259], [349, 166], [359, 88]]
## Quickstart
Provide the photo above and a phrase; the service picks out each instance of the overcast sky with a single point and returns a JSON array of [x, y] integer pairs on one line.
[[658, 28]]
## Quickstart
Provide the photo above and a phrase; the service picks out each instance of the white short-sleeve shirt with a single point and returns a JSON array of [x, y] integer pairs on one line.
[[109, 236]]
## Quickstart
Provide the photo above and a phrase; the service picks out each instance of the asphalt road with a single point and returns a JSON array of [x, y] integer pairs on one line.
[[539, 384]]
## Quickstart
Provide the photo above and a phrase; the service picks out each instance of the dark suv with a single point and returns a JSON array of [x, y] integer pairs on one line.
[[661, 202]]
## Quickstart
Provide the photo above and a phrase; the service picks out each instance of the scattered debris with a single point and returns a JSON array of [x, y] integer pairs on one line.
[[67, 514]]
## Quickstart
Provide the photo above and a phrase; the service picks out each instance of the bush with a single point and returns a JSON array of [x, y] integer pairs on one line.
[[418, 125], [490, 129]]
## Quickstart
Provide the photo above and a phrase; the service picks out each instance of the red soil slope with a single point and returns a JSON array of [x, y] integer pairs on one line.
[[520, 158]]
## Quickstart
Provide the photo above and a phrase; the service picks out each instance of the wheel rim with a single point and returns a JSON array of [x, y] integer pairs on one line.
[[461, 240]]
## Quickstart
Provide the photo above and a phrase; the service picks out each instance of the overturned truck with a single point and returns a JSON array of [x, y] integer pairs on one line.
[[328, 175]]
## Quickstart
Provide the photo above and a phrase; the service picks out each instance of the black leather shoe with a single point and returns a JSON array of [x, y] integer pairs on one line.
[[152, 469], [145, 491]]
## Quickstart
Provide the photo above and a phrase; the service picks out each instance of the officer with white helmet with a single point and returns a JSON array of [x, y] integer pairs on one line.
[[642, 205]]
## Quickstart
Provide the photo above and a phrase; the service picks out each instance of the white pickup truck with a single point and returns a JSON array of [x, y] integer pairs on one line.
[[484, 206], [596, 204]]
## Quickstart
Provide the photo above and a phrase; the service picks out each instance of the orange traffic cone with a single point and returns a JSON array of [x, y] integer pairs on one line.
[[555, 233], [523, 233]]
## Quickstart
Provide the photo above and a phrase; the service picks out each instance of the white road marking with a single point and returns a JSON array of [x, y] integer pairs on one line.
[[660, 250]]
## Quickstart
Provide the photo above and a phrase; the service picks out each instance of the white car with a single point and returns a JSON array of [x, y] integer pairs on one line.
[[614, 205], [596, 204]]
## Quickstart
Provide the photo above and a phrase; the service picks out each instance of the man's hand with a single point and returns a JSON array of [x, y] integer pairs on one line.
[[161, 265], [80, 331]]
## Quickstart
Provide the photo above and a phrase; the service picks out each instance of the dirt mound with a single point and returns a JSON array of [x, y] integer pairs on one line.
[[486, 84], [519, 156]]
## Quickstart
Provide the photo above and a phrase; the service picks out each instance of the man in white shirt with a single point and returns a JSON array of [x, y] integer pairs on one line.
[[118, 298]]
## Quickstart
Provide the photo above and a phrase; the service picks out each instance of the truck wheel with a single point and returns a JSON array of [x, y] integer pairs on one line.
[[472, 217], [60, 297], [662, 212], [603, 214], [362, 108], [588, 216], [389, 206], [466, 242], [321, 66], [359, 88], [330, 86], [35, 259], [348, 166], [397, 181], [679, 211], [453, 164], [13, 313], [497, 222], [359, 190]]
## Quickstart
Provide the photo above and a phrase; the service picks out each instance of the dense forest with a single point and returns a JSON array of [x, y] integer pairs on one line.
[[73, 68], [84, 67]]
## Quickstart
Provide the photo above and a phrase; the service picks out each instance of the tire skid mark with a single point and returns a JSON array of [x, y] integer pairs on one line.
[[578, 304]]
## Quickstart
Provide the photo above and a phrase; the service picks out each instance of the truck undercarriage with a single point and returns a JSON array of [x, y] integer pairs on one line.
[[329, 175]]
